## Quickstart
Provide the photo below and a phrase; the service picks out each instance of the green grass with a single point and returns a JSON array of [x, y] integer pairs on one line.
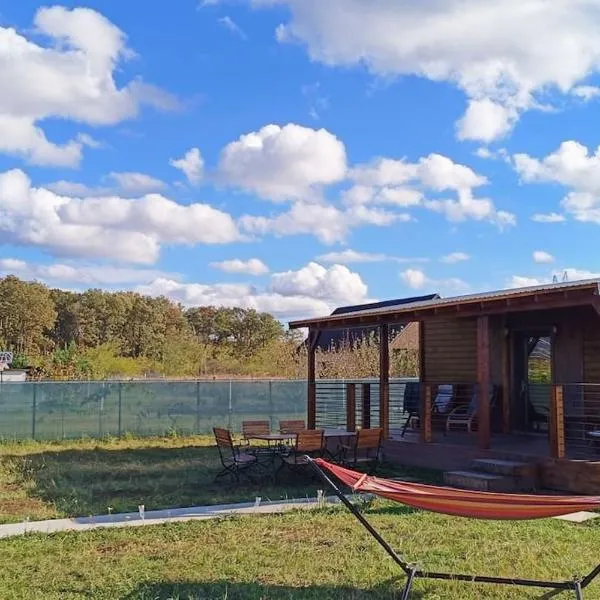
[[318, 555], [82, 478]]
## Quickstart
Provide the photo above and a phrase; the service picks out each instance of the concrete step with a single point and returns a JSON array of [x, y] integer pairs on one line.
[[483, 482], [498, 466]]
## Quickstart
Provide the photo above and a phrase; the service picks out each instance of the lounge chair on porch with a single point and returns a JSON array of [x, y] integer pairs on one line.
[[465, 415]]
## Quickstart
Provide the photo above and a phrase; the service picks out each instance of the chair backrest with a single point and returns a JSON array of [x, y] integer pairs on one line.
[[293, 426], [368, 439], [250, 428], [309, 440], [412, 397], [224, 442], [443, 400]]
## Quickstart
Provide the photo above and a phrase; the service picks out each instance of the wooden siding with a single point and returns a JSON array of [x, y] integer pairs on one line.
[[591, 351], [451, 351]]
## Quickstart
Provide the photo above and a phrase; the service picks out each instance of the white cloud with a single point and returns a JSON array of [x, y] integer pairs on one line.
[[325, 221], [253, 266], [398, 182], [233, 27], [85, 274], [71, 78], [586, 92], [484, 152], [570, 274], [500, 54], [310, 291], [191, 164], [129, 230], [572, 166], [346, 257], [455, 257], [418, 280], [548, 218], [137, 183], [542, 257], [284, 163]]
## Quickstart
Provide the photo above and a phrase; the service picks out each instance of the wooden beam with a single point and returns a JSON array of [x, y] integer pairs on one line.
[[556, 423], [483, 381], [311, 411], [351, 407], [506, 383], [366, 406], [384, 380]]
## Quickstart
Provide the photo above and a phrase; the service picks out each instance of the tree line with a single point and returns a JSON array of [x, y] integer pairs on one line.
[[99, 334]]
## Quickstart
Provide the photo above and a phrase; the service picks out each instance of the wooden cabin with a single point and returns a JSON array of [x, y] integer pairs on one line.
[[511, 375]]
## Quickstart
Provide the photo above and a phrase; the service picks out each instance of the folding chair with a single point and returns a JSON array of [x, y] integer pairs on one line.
[[293, 426], [412, 399], [365, 449], [465, 415], [234, 461], [309, 443]]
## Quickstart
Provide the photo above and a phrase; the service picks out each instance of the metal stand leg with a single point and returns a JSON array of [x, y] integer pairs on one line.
[[578, 590], [408, 586]]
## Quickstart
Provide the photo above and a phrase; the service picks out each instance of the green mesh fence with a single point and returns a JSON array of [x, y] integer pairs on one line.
[[60, 410]]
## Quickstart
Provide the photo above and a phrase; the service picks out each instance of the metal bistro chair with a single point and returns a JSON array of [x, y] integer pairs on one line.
[[365, 449], [309, 442], [234, 461]]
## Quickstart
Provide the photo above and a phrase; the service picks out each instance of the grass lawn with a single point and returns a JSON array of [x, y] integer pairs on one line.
[[83, 478], [317, 555]]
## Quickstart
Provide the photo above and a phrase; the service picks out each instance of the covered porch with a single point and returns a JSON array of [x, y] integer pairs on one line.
[[478, 393]]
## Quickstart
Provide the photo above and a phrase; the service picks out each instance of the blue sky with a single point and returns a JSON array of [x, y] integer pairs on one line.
[[295, 155]]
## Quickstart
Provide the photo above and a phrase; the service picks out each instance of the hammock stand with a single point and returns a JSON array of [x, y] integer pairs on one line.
[[412, 571]]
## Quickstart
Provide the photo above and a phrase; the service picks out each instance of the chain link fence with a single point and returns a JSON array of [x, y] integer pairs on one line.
[[62, 410]]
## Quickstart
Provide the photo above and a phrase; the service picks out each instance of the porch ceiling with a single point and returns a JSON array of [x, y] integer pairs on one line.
[[558, 295]]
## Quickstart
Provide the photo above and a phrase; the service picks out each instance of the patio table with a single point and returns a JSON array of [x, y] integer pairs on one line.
[[334, 438]]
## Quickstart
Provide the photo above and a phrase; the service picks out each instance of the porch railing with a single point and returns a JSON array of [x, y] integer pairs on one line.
[[577, 408]]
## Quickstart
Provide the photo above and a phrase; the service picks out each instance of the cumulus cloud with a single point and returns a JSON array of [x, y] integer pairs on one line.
[[71, 78], [233, 27], [121, 184], [84, 274], [418, 280], [326, 222], [501, 55], [253, 266], [311, 291], [284, 163], [573, 166], [191, 164], [570, 274], [586, 92], [401, 183], [349, 256], [129, 230], [542, 257]]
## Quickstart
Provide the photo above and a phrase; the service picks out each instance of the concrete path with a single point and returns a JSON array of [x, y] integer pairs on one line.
[[154, 517]]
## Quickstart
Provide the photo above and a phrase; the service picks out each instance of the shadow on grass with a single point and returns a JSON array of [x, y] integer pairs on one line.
[[224, 590], [83, 482]]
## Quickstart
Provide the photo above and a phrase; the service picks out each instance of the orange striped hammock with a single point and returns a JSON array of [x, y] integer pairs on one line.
[[449, 501], [463, 503]]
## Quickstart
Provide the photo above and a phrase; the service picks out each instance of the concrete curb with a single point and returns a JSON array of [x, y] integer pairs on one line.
[[155, 517]]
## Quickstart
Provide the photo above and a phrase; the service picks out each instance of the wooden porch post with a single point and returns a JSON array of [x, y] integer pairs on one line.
[[384, 380], [483, 381], [506, 381], [312, 386], [556, 423], [425, 391], [351, 407], [366, 406]]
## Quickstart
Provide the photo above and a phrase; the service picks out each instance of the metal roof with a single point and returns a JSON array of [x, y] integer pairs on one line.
[[592, 284]]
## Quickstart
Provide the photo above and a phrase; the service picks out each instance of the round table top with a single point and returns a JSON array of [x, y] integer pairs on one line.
[[272, 437]]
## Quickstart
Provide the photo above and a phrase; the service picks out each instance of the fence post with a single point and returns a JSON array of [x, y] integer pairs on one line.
[[100, 410], [230, 419], [120, 426], [271, 409], [351, 407], [33, 410], [425, 414], [557, 423], [198, 406]]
